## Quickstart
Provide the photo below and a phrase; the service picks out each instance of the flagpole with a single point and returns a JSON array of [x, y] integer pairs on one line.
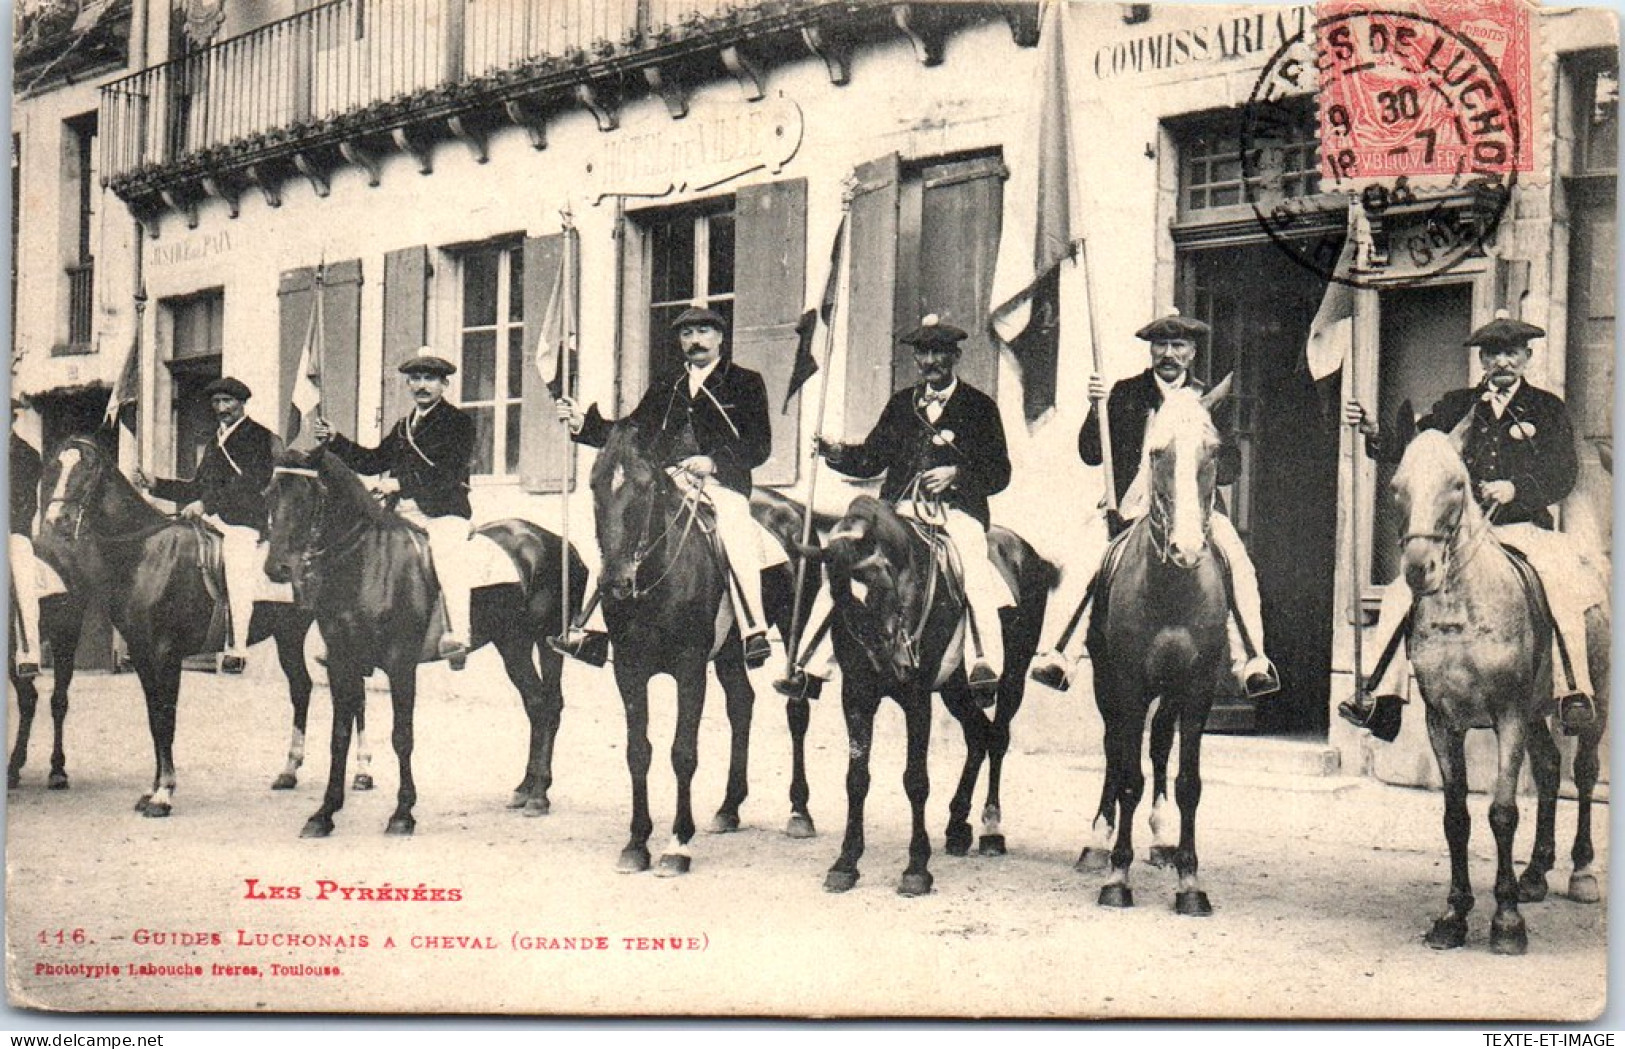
[[1355, 587], [792, 645], [1110, 475], [567, 221]]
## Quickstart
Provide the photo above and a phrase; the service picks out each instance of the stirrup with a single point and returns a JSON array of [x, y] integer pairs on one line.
[[799, 684], [233, 664], [1379, 715], [589, 646], [1052, 670], [757, 650], [455, 653], [1259, 677], [27, 671], [1576, 712], [983, 681]]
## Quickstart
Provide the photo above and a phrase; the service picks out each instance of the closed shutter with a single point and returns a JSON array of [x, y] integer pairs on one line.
[[340, 344], [406, 302], [960, 212], [770, 264], [544, 446], [872, 299]]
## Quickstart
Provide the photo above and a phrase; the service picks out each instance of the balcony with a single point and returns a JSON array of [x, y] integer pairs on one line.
[[66, 41], [350, 80]]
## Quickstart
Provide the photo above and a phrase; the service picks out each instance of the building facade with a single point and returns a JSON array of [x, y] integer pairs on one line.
[[412, 165]]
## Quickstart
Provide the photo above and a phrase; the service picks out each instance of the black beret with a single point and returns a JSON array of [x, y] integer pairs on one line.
[[229, 387], [1173, 326], [426, 362], [1504, 331], [932, 332], [698, 315]]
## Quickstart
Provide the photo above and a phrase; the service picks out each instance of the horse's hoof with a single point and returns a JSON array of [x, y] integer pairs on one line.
[[1583, 888], [1531, 887], [991, 845], [58, 780], [362, 781], [286, 781], [673, 865], [317, 827], [840, 881], [1508, 935], [956, 842], [724, 823], [1192, 902], [519, 799], [401, 826], [1161, 856], [1447, 934], [155, 810], [538, 806], [1091, 860], [633, 860], [1116, 896], [915, 884], [142, 802], [800, 826], [14, 779]]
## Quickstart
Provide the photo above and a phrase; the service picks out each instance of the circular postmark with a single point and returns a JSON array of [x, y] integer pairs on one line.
[[1416, 122]]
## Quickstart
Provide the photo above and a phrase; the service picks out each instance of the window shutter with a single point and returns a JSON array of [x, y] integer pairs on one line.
[[544, 447], [341, 335], [406, 303], [770, 267], [960, 214], [294, 302], [872, 299]]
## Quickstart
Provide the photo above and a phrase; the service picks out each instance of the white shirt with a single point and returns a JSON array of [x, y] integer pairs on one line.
[[1168, 387], [697, 376], [1498, 397], [224, 433], [938, 399]]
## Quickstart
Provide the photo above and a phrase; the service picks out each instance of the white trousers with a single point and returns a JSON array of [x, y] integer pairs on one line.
[[448, 543], [242, 559], [1574, 582], [25, 585]]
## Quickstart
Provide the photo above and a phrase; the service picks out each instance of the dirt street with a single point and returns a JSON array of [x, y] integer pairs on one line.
[[1322, 888]]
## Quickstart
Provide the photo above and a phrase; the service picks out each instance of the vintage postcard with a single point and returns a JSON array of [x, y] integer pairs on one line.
[[1205, 412]]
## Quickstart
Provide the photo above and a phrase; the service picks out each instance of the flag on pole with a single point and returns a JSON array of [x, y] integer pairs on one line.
[[126, 391], [306, 400], [1025, 319], [556, 348], [822, 311], [1331, 336]]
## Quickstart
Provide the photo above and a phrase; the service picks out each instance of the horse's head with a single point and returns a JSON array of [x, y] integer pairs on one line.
[[1434, 494], [873, 583], [293, 506], [75, 482], [628, 492], [1181, 457]]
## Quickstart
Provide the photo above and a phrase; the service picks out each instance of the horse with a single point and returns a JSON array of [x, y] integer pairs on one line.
[[365, 573], [898, 628], [158, 597], [1158, 634], [666, 605], [1481, 649], [61, 620]]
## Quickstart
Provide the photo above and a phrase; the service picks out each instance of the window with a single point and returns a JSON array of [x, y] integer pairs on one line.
[[1597, 114], [491, 339], [691, 259], [196, 338], [1211, 175], [198, 326], [81, 178]]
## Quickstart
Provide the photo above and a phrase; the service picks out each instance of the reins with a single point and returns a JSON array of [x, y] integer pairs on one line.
[[687, 516]]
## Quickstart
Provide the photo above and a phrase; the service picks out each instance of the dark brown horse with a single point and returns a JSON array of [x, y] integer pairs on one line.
[[156, 594], [61, 619], [1481, 650], [366, 574], [1157, 634], [665, 603], [898, 633]]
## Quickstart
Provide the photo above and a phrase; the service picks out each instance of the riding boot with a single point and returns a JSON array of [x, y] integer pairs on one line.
[[987, 656], [1576, 709], [589, 646], [748, 615], [25, 592], [1377, 704], [1257, 674], [241, 558], [804, 678]]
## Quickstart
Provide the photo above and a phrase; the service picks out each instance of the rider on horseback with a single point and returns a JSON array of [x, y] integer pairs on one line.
[[227, 493], [710, 428], [1519, 452], [428, 454], [25, 476], [1130, 406], [941, 446]]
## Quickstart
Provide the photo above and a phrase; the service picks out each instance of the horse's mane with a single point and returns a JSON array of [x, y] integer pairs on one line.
[[340, 480], [1182, 411], [623, 449]]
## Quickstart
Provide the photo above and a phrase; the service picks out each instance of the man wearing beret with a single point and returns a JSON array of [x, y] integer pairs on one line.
[[428, 456], [711, 427], [1130, 406], [227, 492], [942, 439], [25, 477], [1519, 452]]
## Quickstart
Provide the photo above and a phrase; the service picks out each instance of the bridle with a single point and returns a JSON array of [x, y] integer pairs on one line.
[[1160, 523], [316, 549], [80, 505], [1456, 555], [687, 518]]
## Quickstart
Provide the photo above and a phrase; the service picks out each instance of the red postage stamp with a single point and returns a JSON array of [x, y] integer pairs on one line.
[[1425, 88]]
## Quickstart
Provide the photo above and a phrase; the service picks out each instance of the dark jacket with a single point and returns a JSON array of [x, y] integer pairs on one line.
[[1541, 465], [431, 463], [727, 420], [1130, 405], [25, 476], [904, 444], [231, 484]]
